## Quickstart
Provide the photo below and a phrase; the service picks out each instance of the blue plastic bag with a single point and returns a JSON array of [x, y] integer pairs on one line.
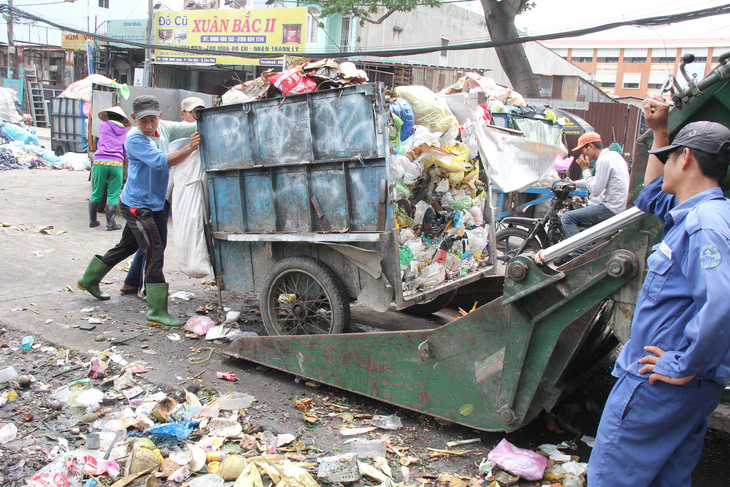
[[16, 132], [403, 110]]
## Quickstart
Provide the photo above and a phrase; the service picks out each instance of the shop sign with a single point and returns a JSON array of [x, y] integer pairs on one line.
[[275, 32]]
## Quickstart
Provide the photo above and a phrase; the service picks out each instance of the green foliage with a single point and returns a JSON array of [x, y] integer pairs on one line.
[[367, 10], [525, 7]]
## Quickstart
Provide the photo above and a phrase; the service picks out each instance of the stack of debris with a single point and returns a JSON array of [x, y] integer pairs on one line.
[[300, 77]]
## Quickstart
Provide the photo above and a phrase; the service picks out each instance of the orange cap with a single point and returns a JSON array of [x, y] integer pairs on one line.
[[587, 138]]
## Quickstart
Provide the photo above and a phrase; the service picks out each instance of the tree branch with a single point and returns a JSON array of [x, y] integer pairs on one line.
[[381, 19]]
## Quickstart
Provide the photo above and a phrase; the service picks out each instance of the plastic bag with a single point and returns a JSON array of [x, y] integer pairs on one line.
[[430, 276], [420, 211], [8, 433], [292, 82], [17, 132], [477, 238], [518, 461], [402, 168], [404, 111], [405, 235], [456, 200], [434, 223], [199, 324], [421, 136], [405, 254], [428, 110], [187, 224]]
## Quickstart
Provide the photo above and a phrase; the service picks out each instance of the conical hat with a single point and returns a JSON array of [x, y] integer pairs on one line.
[[118, 111]]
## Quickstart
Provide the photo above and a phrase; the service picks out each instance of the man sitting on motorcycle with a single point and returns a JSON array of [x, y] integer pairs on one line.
[[611, 184]]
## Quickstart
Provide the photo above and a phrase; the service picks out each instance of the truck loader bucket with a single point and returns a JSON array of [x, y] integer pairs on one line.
[[493, 369]]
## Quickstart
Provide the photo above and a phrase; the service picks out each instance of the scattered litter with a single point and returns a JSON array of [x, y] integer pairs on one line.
[[217, 332], [452, 444], [226, 375], [554, 454], [368, 448], [588, 440], [235, 400], [199, 324], [340, 468], [232, 316], [391, 422], [518, 461], [174, 337], [184, 295], [8, 433], [27, 343], [356, 431]]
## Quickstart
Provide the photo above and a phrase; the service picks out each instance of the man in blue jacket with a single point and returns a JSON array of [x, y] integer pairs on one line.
[[142, 204], [674, 367]]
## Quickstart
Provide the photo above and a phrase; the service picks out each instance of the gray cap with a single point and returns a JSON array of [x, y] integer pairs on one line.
[[145, 105], [710, 137]]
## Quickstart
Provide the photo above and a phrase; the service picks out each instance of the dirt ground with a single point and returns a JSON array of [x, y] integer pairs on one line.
[[38, 298]]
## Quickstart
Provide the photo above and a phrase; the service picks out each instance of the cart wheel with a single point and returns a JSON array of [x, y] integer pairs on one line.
[[60, 150], [302, 296], [430, 307], [509, 241]]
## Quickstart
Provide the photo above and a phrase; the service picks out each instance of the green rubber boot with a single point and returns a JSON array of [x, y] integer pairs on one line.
[[95, 271], [157, 306]]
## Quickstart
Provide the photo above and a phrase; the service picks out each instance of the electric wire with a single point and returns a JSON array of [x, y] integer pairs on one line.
[[643, 22]]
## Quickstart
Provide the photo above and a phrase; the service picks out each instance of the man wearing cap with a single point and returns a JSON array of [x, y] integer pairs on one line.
[[186, 193], [672, 370], [142, 204], [611, 184]]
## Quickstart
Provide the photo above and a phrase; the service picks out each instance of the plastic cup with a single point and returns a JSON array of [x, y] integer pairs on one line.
[[93, 441]]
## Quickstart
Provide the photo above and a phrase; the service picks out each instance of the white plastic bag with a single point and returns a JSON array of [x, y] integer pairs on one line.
[[518, 461], [187, 218]]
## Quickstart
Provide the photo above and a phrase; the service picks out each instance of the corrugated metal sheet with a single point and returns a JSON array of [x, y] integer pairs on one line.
[[617, 122]]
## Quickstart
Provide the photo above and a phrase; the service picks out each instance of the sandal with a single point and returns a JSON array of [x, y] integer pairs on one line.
[[131, 290]]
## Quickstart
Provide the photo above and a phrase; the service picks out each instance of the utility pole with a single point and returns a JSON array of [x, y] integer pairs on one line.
[[11, 42], [147, 75]]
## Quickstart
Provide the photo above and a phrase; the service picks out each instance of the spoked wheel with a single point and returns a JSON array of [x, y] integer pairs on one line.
[[302, 296], [509, 240]]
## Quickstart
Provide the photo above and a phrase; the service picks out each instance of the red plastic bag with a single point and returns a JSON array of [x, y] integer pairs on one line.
[[292, 82], [517, 461]]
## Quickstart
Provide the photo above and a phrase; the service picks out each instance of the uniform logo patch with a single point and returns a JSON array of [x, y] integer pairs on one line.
[[710, 257]]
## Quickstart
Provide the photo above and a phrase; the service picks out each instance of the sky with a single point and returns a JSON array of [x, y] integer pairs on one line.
[[551, 16], [548, 16]]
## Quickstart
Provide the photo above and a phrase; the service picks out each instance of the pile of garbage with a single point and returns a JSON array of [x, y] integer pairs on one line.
[[439, 164], [437, 193], [20, 149], [300, 76]]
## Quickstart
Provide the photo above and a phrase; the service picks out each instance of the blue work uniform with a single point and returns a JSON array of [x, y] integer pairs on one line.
[[653, 434]]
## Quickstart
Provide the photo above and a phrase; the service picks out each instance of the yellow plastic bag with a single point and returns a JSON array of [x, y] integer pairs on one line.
[[428, 110]]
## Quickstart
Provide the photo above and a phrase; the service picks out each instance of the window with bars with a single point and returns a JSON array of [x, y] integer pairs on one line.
[[345, 33], [313, 14], [103, 3]]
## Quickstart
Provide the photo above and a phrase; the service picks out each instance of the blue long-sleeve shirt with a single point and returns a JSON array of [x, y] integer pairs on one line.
[[684, 304], [149, 171]]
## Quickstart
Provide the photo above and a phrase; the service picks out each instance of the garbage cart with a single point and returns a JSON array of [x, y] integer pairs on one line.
[[301, 208]]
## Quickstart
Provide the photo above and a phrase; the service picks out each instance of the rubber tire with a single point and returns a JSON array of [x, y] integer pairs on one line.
[[430, 307], [60, 149], [505, 233], [312, 269]]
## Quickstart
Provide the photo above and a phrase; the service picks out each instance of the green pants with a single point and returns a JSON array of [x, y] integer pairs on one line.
[[111, 176]]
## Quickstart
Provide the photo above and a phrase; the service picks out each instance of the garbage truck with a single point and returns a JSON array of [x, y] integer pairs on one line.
[[497, 367]]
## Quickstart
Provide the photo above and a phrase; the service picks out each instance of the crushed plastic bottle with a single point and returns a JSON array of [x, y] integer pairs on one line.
[[8, 373]]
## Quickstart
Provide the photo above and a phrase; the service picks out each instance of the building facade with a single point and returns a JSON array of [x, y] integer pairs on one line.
[[639, 68]]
